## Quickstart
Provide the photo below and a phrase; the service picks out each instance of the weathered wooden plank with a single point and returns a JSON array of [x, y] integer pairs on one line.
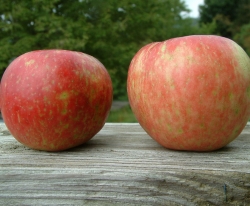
[[122, 165]]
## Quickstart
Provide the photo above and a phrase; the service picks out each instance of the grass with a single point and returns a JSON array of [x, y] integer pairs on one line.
[[124, 114]]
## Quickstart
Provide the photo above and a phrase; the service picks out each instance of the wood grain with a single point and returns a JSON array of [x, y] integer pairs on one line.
[[122, 165]]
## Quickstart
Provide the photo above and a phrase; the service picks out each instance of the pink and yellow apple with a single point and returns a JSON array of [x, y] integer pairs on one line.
[[191, 93]]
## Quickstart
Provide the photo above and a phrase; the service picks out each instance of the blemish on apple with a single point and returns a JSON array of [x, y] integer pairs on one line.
[[180, 131], [64, 95], [64, 111], [30, 62]]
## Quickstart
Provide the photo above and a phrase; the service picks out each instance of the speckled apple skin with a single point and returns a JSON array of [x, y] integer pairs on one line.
[[55, 99], [191, 93]]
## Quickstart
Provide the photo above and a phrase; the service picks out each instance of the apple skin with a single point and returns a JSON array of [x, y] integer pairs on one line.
[[54, 100], [191, 93]]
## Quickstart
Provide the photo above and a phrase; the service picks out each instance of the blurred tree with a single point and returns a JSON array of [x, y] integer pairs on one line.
[[110, 30], [231, 17], [243, 37]]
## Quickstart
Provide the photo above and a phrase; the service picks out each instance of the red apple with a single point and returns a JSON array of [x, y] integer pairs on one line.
[[191, 93], [55, 99]]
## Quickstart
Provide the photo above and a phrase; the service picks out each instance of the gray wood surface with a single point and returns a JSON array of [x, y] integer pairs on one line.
[[122, 165]]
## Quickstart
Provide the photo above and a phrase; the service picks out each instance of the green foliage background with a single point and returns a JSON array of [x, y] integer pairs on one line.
[[110, 30]]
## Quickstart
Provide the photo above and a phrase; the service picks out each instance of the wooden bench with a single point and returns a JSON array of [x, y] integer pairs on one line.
[[122, 165]]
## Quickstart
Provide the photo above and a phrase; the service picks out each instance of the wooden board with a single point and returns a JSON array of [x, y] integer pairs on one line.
[[122, 165]]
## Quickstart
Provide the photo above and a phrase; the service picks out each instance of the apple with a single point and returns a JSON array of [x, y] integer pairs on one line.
[[54, 100], [191, 93]]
